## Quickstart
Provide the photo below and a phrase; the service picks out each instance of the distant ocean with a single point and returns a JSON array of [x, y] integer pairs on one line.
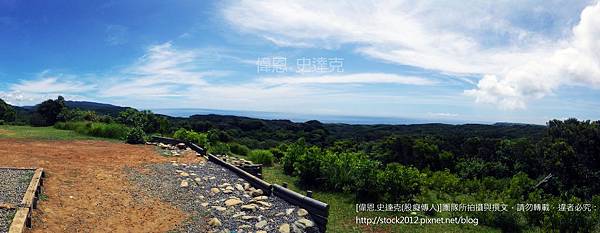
[[366, 120]]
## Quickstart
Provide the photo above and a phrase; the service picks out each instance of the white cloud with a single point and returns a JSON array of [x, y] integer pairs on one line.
[[439, 35], [46, 86], [443, 114], [359, 78], [521, 49], [162, 71], [577, 62]]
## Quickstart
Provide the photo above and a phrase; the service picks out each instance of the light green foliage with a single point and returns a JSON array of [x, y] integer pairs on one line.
[[218, 148], [264, 157], [292, 155], [96, 129], [199, 139], [42, 133], [399, 184]]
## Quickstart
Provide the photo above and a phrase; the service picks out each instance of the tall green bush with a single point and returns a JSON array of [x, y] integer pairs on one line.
[[239, 149], [218, 148], [399, 183], [191, 136], [96, 129], [292, 155], [263, 157], [308, 166], [136, 136]]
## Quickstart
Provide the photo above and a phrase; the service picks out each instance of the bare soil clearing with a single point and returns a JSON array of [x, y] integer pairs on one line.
[[87, 189]]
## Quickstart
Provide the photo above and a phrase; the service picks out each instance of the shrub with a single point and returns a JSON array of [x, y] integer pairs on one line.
[[136, 136], [218, 148], [277, 153], [293, 153], [399, 183], [308, 166], [350, 172], [263, 157], [96, 129], [239, 149], [191, 136]]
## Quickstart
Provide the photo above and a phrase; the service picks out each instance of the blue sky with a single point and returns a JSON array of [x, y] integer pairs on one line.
[[518, 61]]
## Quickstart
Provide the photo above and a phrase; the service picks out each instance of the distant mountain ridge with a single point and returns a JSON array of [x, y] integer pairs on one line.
[[113, 110], [102, 108]]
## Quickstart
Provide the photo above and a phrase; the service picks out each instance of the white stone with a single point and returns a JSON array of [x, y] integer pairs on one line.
[[215, 222], [261, 224]]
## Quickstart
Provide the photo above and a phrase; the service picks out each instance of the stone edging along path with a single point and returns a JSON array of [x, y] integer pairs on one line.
[[310, 215], [20, 200]]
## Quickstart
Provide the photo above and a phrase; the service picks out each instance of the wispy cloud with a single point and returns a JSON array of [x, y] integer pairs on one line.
[[516, 58], [162, 71], [358, 78], [45, 86]]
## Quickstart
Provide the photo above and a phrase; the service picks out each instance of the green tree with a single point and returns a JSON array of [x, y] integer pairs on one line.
[[49, 110], [7, 113]]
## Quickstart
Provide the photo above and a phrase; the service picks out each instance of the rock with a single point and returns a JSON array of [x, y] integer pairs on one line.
[[264, 203], [256, 193], [289, 211], [205, 204], [261, 224], [261, 231], [284, 228], [215, 222], [279, 214], [304, 223], [245, 226], [229, 188], [251, 207], [215, 190], [302, 212], [239, 187], [227, 191], [240, 214], [260, 198], [184, 184], [246, 186], [184, 174], [247, 217], [198, 180], [233, 201], [181, 146], [219, 208]]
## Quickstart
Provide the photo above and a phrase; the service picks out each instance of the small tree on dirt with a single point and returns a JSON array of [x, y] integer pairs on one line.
[[136, 136], [49, 110]]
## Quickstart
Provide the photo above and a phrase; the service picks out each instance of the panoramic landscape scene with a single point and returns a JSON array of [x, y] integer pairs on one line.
[[299, 116]]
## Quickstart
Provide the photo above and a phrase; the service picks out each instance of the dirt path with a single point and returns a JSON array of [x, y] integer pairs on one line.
[[87, 189]]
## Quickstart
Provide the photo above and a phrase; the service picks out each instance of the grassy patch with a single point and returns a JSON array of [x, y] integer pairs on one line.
[[41, 133], [342, 214], [96, 129]]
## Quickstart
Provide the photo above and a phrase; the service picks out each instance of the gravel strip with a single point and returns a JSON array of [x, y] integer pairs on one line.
[[219, 200], [6, 217], [14, 185]]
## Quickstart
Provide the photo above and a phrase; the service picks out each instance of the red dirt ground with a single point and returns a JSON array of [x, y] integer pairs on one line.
[[87, 189]]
